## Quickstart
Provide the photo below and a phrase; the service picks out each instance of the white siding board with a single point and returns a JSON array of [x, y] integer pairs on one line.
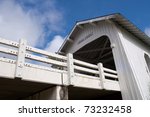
[[135, 53], [99, 30]]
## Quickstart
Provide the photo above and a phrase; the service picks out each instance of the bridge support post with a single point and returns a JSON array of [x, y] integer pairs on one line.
[[70, 69], [101, 75], [20, 59], [53, 93]]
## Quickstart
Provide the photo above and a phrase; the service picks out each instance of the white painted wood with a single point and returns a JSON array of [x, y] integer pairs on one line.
[[36, 73], [20, 59], [65, 78], [139, 80], [86, 69], [86, 76], [85, 64], [45, 60], [101, 29], [9, 42], [45, 68], [7, 69], [84, 82], [111, 85], [42, 76], [49, 54], [8, 60], [8, 51], [95, 83], [109, 70], [101, 74], [70, 69], [128, 54], [111, 75]]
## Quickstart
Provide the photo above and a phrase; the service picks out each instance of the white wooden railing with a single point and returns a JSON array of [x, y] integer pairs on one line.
[[33, 57]]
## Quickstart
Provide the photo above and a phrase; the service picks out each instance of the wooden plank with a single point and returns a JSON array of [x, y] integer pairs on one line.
[[8, 60], [110, 70], [86, 69], [105, 44], [9, 42], [45, 60], [111, 75], [42, 76], [87, 82], [85, 64], [101, 74], [106, 54], [8, 51], [86, 76], [93, 50], [7, 70], [70, 67], [49, 54], [44, 68], [112, 85], [20, 59]]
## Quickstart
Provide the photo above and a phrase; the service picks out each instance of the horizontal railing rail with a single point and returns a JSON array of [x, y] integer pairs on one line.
[[58, 63], [85, 69], [9, 42], [85, 64], [42, 52]]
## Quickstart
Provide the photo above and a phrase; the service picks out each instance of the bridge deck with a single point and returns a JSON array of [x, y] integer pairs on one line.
[[27, 65]]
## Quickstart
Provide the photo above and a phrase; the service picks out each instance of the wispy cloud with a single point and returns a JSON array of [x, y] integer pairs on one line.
[[147, 31], [33, 20], [46, 12], [55, 44]]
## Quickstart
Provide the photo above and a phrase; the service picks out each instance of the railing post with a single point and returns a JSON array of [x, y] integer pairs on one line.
[[70, 68], [20, 59], [101, 74]]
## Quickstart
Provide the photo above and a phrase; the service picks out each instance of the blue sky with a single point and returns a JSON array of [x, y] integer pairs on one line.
[[137, 11], [45, 23]]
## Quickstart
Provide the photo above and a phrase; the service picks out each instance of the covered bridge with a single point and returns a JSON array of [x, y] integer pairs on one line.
[[118, 44]]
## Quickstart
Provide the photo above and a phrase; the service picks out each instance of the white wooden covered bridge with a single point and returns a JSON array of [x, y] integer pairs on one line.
[[102, 58]]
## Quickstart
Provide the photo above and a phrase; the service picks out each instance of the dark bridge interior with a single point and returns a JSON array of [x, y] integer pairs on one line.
[[95, 52]]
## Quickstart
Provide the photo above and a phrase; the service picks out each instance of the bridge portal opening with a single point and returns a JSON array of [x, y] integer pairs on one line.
[[95, 52]]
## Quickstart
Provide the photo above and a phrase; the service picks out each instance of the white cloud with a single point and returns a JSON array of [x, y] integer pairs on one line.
[[35, 23], [16, 24], [55, 44], [147, 31]]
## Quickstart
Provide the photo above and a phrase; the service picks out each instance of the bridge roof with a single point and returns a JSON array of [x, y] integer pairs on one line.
[[117, 18]]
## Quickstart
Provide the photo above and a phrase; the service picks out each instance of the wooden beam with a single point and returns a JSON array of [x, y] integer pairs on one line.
[[107, 60], [70, 40], [84, 59], [105, 44], [93, 50], [108, 53], [92, 23], [80, 26]]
